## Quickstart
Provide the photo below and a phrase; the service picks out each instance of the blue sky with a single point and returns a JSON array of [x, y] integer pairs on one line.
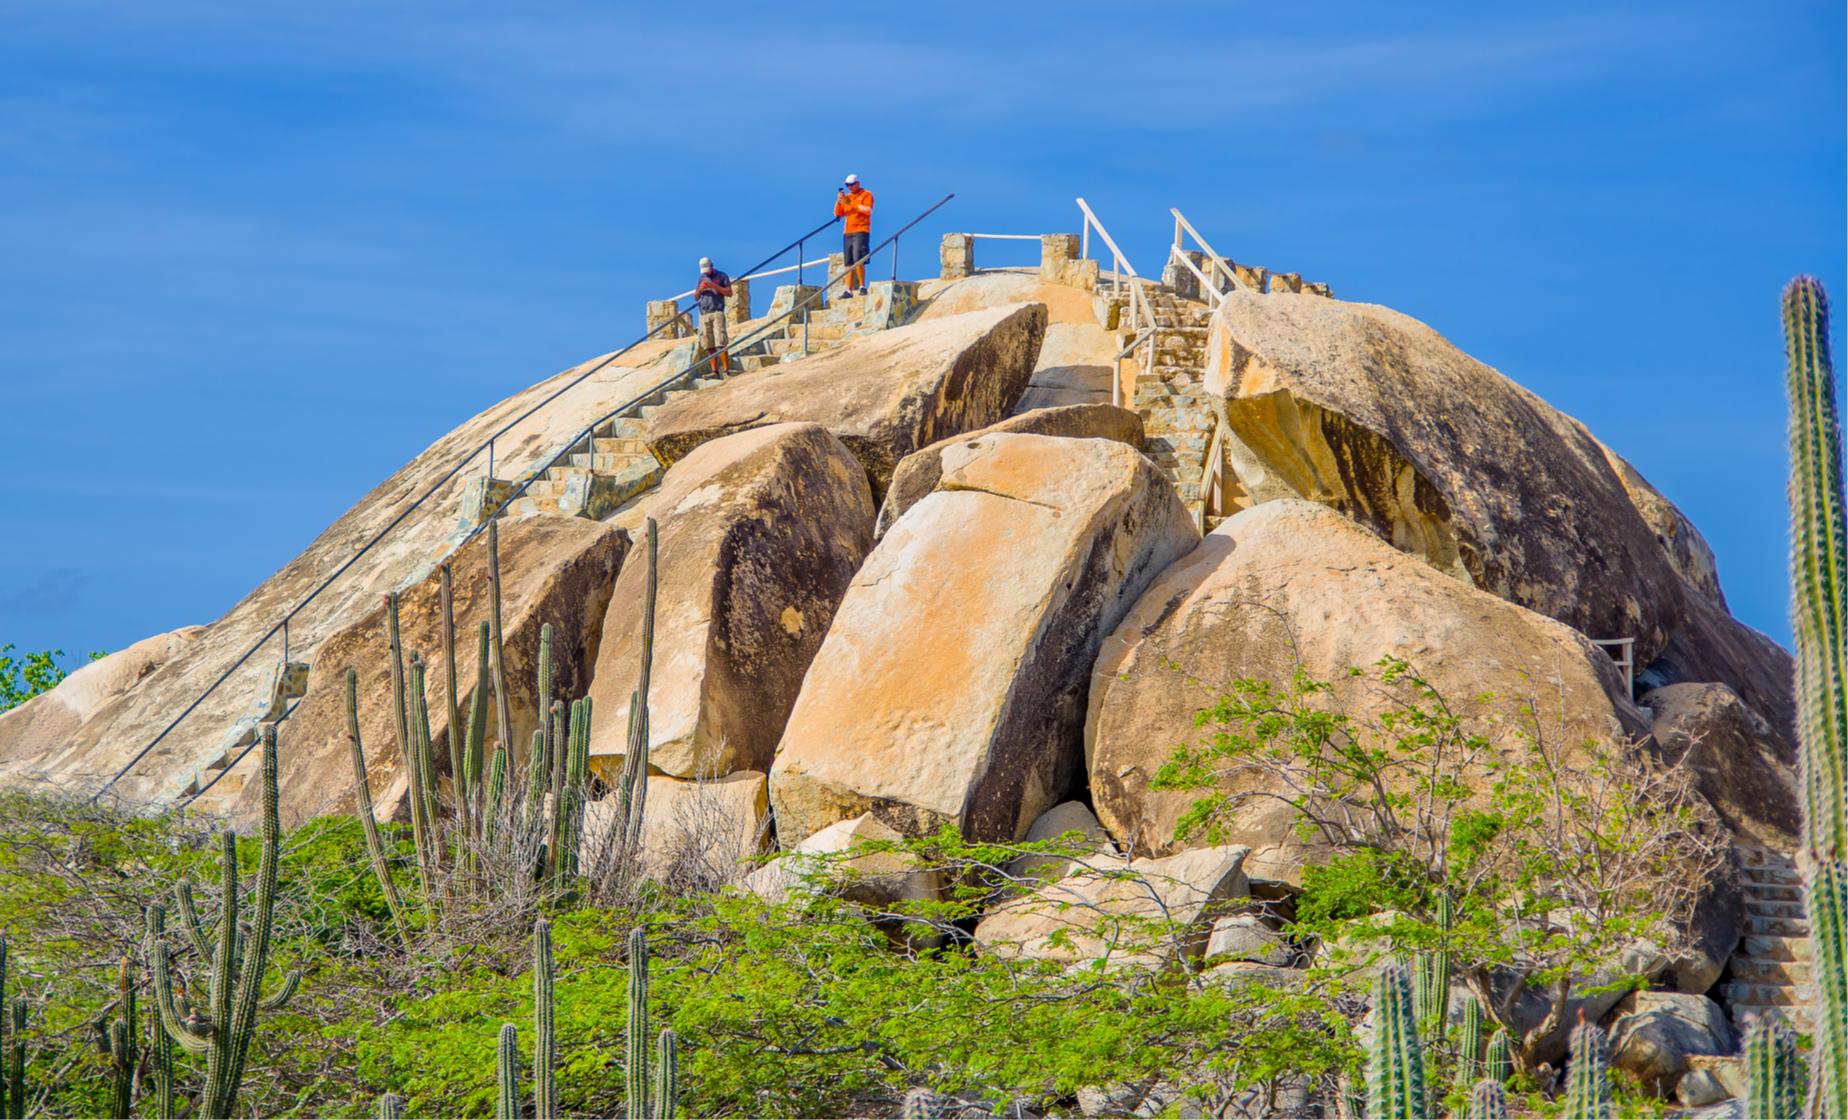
[[259, 255]]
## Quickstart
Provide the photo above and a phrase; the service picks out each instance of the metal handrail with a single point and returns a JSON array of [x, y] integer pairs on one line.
[[1219, 262], [1141, 316], [587, 434], [1116, 368], [773, 271], [487, 446]]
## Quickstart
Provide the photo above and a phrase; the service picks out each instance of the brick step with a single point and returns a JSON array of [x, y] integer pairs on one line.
[[1776, 948], [1753, 971]]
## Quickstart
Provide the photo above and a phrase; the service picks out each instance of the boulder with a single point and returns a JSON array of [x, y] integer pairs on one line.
[[1293, 583], [950, 688], [759, 533], [1245, 937], [1746, 768], [874, 878], [1653, 1033], [54, 717], [1375, 414], [1055, 823], [553, 569], [695, 835], [1143, 912], [885, 395], [919, 472], [1699, 1088], [1713, 646]]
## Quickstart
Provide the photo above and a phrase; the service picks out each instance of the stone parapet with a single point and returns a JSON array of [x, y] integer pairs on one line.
[[957, 255], [660, 311], [738, 307]]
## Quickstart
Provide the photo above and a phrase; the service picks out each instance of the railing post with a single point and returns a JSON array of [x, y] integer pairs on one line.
[[490, 456], [895, 260], [1084, 238], [285, 641]]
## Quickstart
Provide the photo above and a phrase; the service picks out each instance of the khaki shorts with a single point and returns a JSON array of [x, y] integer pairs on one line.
[[712, 330]]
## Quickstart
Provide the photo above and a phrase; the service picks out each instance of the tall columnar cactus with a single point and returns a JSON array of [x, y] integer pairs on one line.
[[1469, 1049], [12, 1048], [1488, 1101], [119, 1040], [1773, 1079], [451, 699], [1588, 1072], [222, 1030], [1819, 578], [494, 800], [422, 824], [507, 1071], [1432, 995], [1498, 1063], [1353, 1099], [667, 1075], [638, 1026], [368, 819], [632, 782], [544, 670], [468, 779], [16, 1075], [1396, 1086], [545, 1042], [391, 1107], [503, 715]]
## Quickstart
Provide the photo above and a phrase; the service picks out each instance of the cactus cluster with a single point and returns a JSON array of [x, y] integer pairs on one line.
[[118, 1038], [1498, 1062], [221, 1029], [1396, 1086], [1488, 1101], [1819, 579], [1431, 995], [1469, 1045], [658, 1099], [1773, 1078]]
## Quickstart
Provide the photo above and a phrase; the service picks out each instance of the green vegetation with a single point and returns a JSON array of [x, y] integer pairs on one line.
[[1819, 579], [1774, 1078]]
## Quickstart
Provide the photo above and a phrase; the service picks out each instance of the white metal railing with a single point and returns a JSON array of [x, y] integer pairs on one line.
[[1141, 326], [1622, 651], [1212, 480], [1220, 267], [1214, 297]]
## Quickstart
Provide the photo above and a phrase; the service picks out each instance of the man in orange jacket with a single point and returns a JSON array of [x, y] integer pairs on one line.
[[855, 203]]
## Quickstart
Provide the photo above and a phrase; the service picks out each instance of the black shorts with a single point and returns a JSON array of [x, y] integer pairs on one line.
[[855, 248]]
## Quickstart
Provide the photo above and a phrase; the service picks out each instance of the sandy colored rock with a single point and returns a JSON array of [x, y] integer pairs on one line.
[[83, 759], [1245, 938], [1229, 610], [874, 878], [554, 569], [1146, 911], [1057, 823], [1746, 769], [951, 686], [918, 473], [695, 835], [760, 533], [1377, 415], [885, 395], [31, 732]]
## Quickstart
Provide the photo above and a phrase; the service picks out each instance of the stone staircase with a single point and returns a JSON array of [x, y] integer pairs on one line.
[[619, 465], [1177, 416], [1771, 969]]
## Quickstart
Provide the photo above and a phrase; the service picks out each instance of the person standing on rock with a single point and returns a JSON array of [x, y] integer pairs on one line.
[[713, 287], [855, 203]]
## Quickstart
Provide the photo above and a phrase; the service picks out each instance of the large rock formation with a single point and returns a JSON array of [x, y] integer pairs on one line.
[[1293, 583], [885, 395], [918, 473], [553, 569], [951, 689], [1378, 416], [52, 718], [759, 533]]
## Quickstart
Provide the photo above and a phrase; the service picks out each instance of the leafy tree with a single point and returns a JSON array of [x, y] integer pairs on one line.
[[1556, 857]]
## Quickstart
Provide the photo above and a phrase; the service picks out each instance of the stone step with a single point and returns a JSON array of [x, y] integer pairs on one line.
[[1766, 874], [1744, 1013], [551, 486], [1775, 908], [526, 505], [1754, 971], [1761, 925], [1776, 948], [1766, 995], [1775, 892], [604, 464], [619, 445], [623, 427]]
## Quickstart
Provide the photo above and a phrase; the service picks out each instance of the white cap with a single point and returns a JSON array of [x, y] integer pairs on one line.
[[852, 179], [705, 262]]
